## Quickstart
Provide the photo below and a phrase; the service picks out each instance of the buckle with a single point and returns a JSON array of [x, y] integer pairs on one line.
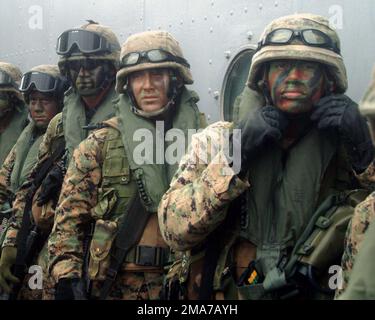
[[150, 256], [111, 274]]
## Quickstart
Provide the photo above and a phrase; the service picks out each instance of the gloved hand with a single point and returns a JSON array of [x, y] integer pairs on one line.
[[70, 289], [339, 112], [51, 186], [7, 260], [265, 124]]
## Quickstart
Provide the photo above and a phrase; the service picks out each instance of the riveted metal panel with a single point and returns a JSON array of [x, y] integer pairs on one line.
[[209, 31]]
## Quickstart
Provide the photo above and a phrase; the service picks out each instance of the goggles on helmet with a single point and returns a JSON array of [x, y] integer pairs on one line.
[[42, 82], [153, 56], [310, 37], [85, 41], [6, 80]]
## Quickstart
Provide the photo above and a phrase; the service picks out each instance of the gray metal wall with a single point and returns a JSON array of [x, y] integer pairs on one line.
[[210, 31]]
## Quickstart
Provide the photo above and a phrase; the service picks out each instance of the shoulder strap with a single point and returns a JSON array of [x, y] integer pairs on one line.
[[129, 234], [24, 245], [214, 248]]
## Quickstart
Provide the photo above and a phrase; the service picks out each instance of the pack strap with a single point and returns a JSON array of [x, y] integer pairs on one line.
[[23, 244], [129, 234]]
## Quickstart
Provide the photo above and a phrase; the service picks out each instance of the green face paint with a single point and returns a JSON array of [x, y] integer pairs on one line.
[[295, 85], [87, 76]]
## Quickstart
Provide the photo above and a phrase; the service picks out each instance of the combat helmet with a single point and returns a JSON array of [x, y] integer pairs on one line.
[[10, 77], [317, 42], [367, 104], [45, 79], [91, 40], [151, 49]]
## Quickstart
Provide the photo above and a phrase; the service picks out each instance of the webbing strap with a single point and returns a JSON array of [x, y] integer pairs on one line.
[[129, 234], [22, 248]]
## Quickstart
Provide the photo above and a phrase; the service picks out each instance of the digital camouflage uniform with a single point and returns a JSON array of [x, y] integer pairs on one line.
[[364, 212], [17, 121], [197, 202], [67, 125], [87, 195], [361, 284]]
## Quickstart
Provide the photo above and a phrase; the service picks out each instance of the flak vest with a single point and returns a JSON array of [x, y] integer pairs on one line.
[[122, 178], [26, 149], [74, 117], [68, 125], [10, 135]]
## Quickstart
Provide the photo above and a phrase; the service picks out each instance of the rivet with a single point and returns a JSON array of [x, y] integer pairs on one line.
[[250, 35], [245, 9], [211, 30], [227, 54], [276, 4], [181, 22], [192, 20], [260, 6], [205, 18], [231, 13], [210, 61], [216, 95]]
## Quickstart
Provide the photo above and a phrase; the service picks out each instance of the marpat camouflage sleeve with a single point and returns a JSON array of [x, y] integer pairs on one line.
[[363, 215], [200, 192], [73, 213], [5, 173]]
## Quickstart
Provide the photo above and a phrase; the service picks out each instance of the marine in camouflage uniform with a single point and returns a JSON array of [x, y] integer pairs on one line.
[[364, 213], [294, 155], [13, 113], [43, 88], [89, 58], [104, 177]]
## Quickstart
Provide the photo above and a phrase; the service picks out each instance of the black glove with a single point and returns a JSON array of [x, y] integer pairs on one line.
[[70, 289], [51, 186], [340, 113], [264, 125]]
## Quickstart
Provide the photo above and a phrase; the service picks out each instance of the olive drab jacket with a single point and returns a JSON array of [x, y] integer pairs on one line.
[[19, 162], [101, 180], [10, 134]]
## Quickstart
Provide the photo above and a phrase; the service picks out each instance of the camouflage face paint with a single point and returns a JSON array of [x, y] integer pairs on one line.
[[295, 85], [87, 76]]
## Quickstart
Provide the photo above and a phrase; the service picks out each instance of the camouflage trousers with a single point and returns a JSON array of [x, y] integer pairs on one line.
[[133, 286]]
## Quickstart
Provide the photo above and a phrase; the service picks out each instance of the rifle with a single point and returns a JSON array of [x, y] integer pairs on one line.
[[29, 238]]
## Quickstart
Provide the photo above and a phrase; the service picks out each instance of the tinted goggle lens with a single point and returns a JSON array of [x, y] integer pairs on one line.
[[6, 80], [85, 41], [40, 81], [86, 64]]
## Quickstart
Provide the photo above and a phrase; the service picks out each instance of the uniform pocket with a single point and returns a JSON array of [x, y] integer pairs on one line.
[[100, 247], [107, 199]]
